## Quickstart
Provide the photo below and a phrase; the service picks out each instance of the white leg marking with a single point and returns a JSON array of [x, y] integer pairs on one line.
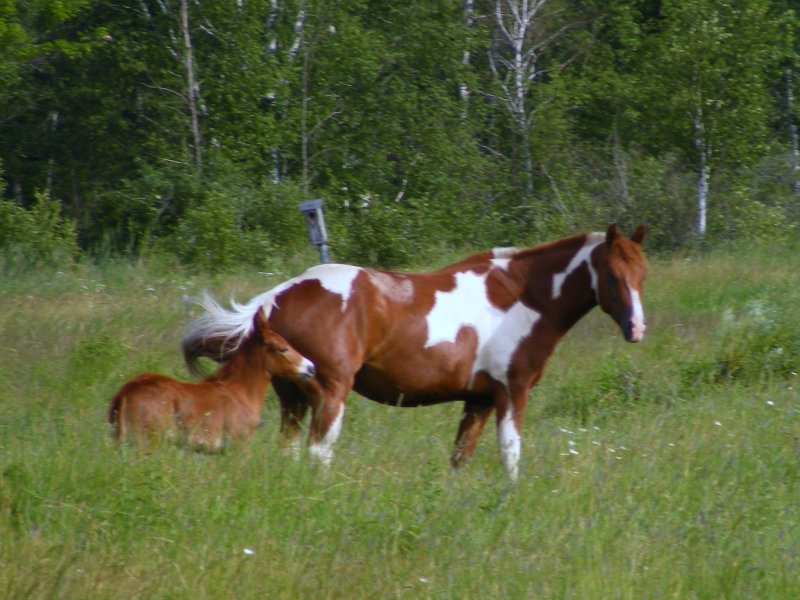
[[322, 450], [508, 441], [638, 316]]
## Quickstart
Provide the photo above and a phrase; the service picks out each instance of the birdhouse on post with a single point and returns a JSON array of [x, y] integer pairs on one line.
[[315, 222]]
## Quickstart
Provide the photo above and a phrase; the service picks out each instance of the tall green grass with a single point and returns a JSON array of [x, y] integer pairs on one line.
[[664, 470]]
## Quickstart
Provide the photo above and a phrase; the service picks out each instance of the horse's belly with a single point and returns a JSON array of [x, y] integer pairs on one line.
[[403, 388]]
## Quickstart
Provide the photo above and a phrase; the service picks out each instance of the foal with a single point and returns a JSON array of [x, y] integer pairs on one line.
[[224, 406]]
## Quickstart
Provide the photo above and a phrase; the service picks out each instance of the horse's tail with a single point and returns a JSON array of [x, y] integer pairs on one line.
[[217, 331], [116, 416]]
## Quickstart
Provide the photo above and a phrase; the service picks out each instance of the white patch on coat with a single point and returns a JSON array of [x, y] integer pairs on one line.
[[337, 279], [322, 449], [501, 263], [466, 305], [397, 288], [495, 353], [582, 256], [499, 332], [638, 315], [508, 441], [504, 252]]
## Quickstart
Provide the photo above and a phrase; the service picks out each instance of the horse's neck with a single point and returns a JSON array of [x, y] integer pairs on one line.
[[245, 371], [545, 272]]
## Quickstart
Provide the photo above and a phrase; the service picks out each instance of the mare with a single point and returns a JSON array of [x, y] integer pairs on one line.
[[478, 331], [224, 406]]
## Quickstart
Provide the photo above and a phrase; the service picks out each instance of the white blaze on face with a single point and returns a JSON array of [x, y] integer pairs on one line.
[[508, 440], [322, 449], [637, 317], [582, 256]]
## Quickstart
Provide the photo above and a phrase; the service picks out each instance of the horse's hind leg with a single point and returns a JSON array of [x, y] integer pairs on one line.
[[473, 419], [294, 407], [326, 420]]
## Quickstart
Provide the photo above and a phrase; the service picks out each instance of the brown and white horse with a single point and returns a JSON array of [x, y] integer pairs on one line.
[[479, 331], [224, 406]]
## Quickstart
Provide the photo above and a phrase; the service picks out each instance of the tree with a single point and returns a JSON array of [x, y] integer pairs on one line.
[[707, 92]]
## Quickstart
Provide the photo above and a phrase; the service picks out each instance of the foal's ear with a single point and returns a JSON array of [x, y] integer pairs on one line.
[[260, 323], [638, 235], [612, 233]]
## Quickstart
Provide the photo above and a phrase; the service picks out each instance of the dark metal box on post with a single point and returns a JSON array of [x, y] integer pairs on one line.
[[315, 222]]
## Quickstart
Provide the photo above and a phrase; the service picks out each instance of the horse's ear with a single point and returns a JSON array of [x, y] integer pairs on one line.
[[638, 235], [260, 322], [611, 234]]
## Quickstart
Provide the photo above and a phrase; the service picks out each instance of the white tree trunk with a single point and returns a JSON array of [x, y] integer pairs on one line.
[[793, 133], [515, 20], [704, 173], [193, 89], [463, 88]]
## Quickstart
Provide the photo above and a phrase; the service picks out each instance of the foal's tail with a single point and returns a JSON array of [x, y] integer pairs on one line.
[[116, 417]]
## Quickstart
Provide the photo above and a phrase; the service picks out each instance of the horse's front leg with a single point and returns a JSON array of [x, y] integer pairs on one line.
[[510, 406]]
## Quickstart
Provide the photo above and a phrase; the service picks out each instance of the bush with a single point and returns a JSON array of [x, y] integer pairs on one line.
[[211, 236], [761, 343], [39, 237]]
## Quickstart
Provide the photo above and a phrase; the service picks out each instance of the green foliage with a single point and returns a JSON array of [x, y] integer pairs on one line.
[[208, 235], [379, 234], [35, 237], [399, 103], [762, 343]]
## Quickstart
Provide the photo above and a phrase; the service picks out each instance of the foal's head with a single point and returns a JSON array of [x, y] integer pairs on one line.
[[620, 278], [281, 359]]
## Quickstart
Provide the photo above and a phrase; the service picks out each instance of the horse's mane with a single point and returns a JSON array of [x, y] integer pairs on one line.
[[225, 329]]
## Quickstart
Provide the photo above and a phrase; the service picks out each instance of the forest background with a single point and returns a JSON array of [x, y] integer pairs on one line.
[[190, 130]]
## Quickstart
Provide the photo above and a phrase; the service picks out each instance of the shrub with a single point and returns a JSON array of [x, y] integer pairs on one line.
[[37, 237], [761, 343]]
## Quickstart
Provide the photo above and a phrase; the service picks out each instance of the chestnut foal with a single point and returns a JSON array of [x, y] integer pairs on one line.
[[222, 407]]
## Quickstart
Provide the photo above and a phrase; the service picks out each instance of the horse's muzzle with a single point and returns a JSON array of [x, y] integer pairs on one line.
[[633, 330], [307, 370]]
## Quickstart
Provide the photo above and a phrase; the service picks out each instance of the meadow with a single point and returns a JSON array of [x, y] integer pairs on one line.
[[667, 469]]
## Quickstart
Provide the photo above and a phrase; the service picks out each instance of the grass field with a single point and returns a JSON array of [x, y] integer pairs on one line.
[[668, 469]]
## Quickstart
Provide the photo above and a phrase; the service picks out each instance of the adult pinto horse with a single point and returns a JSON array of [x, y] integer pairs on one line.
[[479, 331]]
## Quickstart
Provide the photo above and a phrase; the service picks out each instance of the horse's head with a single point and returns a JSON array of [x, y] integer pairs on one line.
[[621, 270], [282, 360]]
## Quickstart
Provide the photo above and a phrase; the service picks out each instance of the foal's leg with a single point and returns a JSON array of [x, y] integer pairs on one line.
[[294, 407], [473, 419]]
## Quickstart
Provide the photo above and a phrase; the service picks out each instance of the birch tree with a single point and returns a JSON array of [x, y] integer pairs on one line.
[[709, 77], [522, 35], [192, 86]]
